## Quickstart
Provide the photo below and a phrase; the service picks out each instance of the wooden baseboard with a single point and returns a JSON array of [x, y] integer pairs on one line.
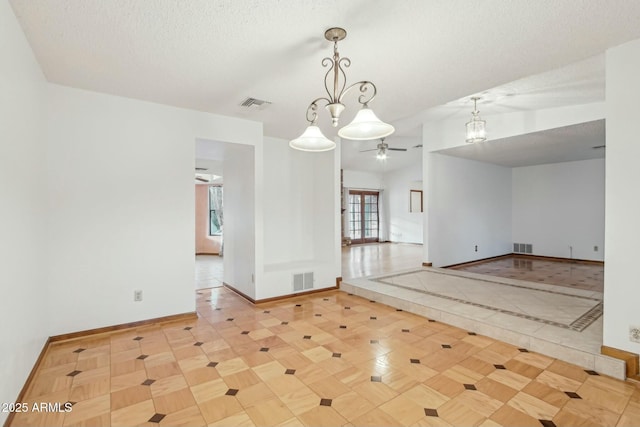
[[27, 383], [81, 334], [208, 253], [427, 264], [243, 295], [278, 298], [478, 261], [297, 294], [631, 359], [338, 281], [558, 259]]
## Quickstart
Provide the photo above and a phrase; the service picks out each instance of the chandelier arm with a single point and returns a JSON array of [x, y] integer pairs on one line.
[[312, 114], [363, 85], [340, 66], [328, 62]]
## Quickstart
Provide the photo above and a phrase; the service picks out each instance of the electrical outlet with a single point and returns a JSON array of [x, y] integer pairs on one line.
[[476, 248], [634, 333], [595, 249], [137, 295]]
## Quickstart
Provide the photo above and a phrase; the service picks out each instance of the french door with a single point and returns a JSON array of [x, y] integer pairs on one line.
[[363, 216]]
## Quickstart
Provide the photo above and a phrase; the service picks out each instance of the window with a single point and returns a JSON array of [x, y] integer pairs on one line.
[[215, 210]]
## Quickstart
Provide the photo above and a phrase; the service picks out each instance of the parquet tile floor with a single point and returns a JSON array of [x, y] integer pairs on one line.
[[326, 359]]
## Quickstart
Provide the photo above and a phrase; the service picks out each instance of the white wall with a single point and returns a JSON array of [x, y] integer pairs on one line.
[[621, 290], [469, 204], [239, 214], [300, 210], [404, 226], [112, 226], [24, 300], [362, 180], [559, 205]]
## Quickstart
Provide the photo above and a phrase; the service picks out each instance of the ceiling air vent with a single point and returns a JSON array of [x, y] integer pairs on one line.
[[255, 103]]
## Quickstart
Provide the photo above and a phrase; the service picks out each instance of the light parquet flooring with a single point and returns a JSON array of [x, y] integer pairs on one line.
[[325, 359]]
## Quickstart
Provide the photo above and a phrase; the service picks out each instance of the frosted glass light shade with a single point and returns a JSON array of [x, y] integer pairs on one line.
[[312, 139], [476, 131], [366, 125]]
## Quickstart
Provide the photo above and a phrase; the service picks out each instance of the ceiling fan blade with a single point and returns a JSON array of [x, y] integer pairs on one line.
[[364, 151], [396, 149], [201, 179]]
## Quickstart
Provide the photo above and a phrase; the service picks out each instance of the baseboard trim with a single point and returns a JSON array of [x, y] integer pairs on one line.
[[27, 383], [526, 256], [280, 297], [427, 264], [477, 261], [81, 334], [208, 253], [560, 259], [338, 281], [242, 294], [631, 360], [297, 294]]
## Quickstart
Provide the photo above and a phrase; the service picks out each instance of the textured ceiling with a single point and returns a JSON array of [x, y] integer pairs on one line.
[[210, 55]]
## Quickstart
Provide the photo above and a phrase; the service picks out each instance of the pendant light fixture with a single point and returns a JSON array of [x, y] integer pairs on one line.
[[366, 125], [476, 131]]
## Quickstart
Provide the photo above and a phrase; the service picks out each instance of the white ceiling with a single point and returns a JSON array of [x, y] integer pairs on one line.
[[209, 55], [565, 144]]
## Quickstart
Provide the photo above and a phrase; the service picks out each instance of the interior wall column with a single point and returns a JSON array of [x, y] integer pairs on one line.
[[622, 207]]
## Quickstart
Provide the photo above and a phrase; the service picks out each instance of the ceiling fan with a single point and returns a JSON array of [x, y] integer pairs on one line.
[[382, 149]]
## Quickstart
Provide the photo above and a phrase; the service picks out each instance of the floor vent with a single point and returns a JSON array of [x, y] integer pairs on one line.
[[302, 281], [522, 248]]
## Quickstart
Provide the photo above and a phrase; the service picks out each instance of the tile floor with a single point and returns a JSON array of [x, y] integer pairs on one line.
[[576, 274], [209, 271], [324, 359]]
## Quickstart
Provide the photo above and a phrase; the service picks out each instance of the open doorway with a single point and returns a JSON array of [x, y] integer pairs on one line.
[[209, 219], [209, 230], [225, 215]]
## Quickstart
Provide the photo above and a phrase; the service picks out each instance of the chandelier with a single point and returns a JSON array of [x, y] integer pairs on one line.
[[476, 131], [365, 125]]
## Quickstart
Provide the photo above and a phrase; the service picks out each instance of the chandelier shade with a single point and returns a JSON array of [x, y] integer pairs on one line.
[[366, 125], [312, 139], [476, 130]]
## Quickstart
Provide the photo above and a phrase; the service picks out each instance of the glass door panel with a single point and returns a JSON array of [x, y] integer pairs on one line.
[[363, 219]]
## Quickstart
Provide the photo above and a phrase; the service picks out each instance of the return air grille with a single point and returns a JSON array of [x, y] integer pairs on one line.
[[302, 281], [522, 248]]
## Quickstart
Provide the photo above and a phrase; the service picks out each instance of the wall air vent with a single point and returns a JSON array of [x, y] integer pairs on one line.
[[302, 281], [255, 103], [522, 248]]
